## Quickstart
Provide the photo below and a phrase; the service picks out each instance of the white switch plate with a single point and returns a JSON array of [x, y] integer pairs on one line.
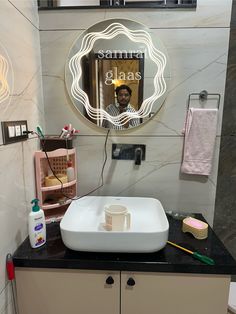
[[11, 131], [23, 128], [18, 130]]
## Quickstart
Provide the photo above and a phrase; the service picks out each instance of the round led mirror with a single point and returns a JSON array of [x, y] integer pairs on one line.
[[117, 74]]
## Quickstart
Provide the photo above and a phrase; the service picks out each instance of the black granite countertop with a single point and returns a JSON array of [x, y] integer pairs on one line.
[[54, 254]]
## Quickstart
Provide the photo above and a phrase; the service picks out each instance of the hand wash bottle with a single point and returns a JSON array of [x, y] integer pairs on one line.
[[37, 227]]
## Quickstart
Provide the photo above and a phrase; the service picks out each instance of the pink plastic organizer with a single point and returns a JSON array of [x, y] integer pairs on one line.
[[51, 197]]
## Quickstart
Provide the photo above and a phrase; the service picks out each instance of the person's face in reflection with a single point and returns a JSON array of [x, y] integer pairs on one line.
[[123, 97]]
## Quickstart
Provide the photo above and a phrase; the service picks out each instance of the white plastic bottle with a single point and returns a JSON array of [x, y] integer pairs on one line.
[[70, 171], [37, 226]]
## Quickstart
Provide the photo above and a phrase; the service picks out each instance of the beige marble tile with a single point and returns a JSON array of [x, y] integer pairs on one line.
[[158, 176], [20, 46], [13, 205], [6, 298], [17, 191], [29, 9], [20, 37], [70, 19]]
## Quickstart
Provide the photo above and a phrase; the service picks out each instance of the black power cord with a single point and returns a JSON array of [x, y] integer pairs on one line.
[[102, 171]]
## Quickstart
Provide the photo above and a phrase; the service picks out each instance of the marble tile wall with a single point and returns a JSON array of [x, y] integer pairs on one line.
[[19, 35], [197, 44]]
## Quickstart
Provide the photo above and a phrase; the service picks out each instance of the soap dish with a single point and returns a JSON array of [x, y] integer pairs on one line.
[[196, 227]]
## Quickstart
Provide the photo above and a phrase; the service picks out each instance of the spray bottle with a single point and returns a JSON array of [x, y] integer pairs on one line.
[[37, 227]]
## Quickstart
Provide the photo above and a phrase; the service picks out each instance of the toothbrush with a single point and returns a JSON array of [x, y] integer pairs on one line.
[[196, 255], [39, 131], [64, 131]]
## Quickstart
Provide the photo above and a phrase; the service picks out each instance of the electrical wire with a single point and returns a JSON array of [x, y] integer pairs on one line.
[[102, 171], [51, 168], [53, 172]]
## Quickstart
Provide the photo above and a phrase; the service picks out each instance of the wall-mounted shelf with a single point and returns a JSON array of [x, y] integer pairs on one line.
[[56, 205], [116, 4], [57, 187], [59, 195]]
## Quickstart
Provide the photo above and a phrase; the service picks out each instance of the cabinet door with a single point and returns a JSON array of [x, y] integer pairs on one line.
[[59, 291], [166, 293]]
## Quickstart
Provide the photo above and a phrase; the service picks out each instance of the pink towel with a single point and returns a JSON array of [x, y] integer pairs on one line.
[[199, 141]]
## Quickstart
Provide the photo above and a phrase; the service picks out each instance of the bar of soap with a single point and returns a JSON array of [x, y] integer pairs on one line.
[[196, 227]]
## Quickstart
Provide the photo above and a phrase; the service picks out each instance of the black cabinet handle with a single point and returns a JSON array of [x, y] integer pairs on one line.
[[109, 280], [131, 282]]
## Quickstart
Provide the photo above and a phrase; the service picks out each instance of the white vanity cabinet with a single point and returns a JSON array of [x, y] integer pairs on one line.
[[60, 291], [173, 293]]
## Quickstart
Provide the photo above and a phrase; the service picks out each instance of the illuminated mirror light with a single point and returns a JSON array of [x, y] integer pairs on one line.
[[4, 87], [139, 36]]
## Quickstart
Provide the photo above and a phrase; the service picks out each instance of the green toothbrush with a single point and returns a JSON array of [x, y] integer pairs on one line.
[[196, 255], [39, 130]]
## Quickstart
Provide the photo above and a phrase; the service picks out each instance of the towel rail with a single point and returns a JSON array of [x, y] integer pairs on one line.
[[203, 96]]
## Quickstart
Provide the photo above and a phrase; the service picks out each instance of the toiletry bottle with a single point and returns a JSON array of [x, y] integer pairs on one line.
[[37, 227], [70, 171]]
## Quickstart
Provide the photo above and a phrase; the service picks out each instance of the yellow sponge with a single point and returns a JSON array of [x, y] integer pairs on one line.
[[52, 181], [196, 227]]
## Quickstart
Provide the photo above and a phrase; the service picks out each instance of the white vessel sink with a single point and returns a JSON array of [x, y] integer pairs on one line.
[[82, 227]]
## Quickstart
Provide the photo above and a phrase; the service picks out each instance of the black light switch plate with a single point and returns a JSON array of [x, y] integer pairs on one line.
[[12, 131]]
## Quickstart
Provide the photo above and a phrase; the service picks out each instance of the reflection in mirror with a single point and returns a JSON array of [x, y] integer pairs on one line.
[[110, 54], [111, 70]]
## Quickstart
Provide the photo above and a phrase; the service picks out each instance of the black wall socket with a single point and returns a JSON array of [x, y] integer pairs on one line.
[[13, 131]]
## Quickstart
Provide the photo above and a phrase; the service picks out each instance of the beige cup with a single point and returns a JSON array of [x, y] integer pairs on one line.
[[117, 218]]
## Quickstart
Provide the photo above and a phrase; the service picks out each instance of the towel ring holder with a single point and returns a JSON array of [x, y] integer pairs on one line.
[[203, 96]]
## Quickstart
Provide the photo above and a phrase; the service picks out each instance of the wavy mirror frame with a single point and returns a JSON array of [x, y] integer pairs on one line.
[[6, 77], [4, 87], [110, 32]]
